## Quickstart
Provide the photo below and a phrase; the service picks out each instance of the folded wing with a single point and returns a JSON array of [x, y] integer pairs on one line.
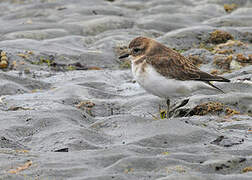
[[173, 65]]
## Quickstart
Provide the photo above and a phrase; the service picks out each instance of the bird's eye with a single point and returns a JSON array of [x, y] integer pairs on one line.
[[136, 50]]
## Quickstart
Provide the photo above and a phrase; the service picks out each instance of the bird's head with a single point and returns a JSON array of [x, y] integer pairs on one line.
[[137, 47]]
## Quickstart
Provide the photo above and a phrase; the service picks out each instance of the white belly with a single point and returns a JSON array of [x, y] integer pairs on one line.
[[156, 84]]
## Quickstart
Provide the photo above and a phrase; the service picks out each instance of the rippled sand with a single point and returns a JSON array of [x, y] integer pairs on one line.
[[69, 109]]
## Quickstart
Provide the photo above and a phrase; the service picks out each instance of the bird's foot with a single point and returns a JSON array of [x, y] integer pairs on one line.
[[170, 112], [162, 112]]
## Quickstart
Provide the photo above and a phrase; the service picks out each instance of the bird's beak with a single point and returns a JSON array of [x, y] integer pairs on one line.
[[125, 53], [124, 56]]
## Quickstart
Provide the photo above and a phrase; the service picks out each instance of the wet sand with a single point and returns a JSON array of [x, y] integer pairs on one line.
[[70, 109]]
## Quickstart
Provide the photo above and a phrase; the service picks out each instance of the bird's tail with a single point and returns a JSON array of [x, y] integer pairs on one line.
[[220, 79], [215, 86]]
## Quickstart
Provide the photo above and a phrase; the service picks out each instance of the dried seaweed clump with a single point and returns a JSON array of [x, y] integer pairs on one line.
[[87, 106], [4, 60], [212, 108], [229, 47], [226, 59], [247, 169], [209, 107], [21, 168], [231, 112], [223, 62], [243, 59], [215, 72], [229, 44], [223, 51], [196, 60], [230, 7], [218, 36], [231, 62]]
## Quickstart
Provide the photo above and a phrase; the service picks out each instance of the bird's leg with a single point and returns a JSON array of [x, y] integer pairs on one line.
[[168, 108], [162, 112], [183, 103]]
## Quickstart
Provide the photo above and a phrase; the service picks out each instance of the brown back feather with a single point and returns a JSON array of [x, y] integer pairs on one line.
[[171, 64]]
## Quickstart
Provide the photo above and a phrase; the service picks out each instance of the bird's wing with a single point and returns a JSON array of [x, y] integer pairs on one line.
[[173, 65]]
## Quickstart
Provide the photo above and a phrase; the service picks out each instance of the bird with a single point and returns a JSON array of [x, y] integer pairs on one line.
[[166, 73]]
